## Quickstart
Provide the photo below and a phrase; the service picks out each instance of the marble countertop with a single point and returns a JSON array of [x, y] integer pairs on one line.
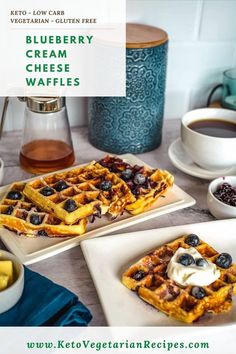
[[69, 268]]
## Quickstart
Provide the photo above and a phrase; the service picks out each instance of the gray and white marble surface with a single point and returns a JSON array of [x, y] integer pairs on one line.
[[69, 268]]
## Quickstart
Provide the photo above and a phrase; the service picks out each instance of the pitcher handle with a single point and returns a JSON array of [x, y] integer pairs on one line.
[[212, 93], [3, 117]]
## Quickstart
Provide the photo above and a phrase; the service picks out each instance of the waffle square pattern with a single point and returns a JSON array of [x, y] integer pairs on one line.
[[19, 214], [78, 193], [149, 279]]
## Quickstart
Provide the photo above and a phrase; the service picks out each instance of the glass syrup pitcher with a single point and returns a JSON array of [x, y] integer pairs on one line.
[[46, 142]]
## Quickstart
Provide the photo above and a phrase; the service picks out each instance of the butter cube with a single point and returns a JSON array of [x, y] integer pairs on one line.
[[4, 279], [6, 268]]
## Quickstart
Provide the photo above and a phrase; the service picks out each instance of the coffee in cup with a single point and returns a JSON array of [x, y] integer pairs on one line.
[[209, 137]]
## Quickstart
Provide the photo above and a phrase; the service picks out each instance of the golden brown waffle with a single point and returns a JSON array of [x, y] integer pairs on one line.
[[148, 277], [83, 191], [155, 182], [18, 215]]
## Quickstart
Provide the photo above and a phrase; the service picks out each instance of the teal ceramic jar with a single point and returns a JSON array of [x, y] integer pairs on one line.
[[134, 123]]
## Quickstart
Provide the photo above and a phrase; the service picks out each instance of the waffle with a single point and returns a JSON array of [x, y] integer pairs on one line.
[[156, 183], [154, 286], [16, 215], [83, 189]]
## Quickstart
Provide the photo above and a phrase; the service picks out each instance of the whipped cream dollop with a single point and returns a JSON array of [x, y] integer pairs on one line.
[[193, 274]]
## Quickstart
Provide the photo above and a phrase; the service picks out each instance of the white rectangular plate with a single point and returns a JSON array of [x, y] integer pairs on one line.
[[30, 250], [109, 257]]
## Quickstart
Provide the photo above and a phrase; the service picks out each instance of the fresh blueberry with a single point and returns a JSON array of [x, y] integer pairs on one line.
[[70, 205], [198, 292], [139, 275], [126, 174], [46, 191], [14, 195], [233, 201], [192, 240], [139, 178], [42, 233], [9, 210], [224, 260], [186, 259], [35, 219], [225, 185], [105, 185], [201, 262], [60, 186], [226, 194], [136, 190]]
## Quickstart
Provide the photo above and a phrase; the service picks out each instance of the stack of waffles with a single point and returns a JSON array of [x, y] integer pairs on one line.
[[62, 204]]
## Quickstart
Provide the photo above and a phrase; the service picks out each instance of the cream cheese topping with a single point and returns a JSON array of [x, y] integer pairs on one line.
[[193, 274]]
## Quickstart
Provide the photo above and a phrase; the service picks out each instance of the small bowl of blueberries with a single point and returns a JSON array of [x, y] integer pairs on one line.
[[221, 197]]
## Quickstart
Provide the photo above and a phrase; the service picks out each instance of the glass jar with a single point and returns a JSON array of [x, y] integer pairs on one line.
[[46, 141]]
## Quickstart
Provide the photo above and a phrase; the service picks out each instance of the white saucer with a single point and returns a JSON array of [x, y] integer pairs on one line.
[[183, 162]]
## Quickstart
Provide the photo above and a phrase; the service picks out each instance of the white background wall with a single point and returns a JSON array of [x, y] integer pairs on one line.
[[202, 44]]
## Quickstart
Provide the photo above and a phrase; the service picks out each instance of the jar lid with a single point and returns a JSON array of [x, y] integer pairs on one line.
[[144, 36], [44, 104]]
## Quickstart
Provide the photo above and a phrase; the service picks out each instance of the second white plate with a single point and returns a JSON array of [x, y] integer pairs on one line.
[[108, 257]]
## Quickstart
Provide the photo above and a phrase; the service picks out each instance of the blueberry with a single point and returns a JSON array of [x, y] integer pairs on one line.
[[139, 178], [14, 195], [186, 259], [42, 233], [105, 185], [139, 275], [126, 174], [70, 205], [60, 186], [224, 260], [226, 194], [35, 219], [198, 292], [46, 191], [136, 190], [201, 262], [192, 240], [225, 186], [233, 201], [9, 210]]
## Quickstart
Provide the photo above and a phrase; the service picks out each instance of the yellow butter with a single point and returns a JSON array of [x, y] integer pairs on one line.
[[6, 268], [4, 279]]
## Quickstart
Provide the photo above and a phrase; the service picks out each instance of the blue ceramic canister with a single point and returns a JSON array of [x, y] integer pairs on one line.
[[134, 123]]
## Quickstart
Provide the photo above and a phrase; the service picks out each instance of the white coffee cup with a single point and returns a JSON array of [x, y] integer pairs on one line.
[[209, 152]]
